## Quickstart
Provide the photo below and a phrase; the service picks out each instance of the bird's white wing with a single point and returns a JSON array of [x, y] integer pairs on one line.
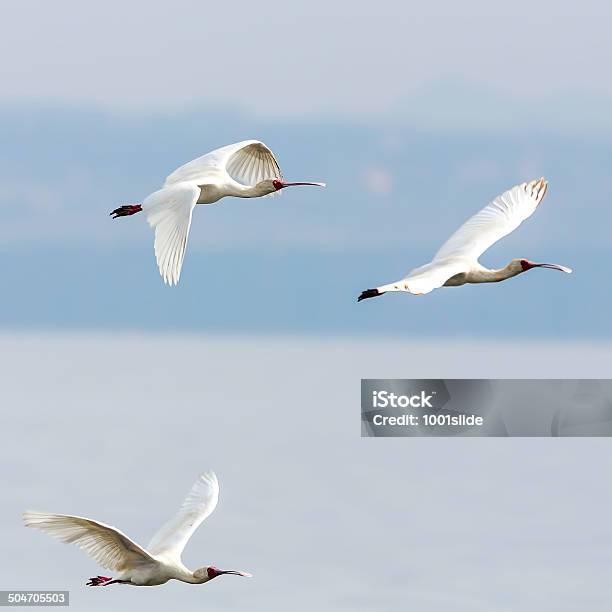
[[247, 162], [107, 545], [169, 213], [253, 163], [496, 220], [202, 499]]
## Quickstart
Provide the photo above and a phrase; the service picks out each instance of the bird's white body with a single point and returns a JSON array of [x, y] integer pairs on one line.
[[456, 262], [246, 169], [233, 170], [135, 565], [159, 572]]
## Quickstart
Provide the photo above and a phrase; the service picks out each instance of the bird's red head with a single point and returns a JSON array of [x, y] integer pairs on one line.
[[278, 184], [528, 265], [213, 572]]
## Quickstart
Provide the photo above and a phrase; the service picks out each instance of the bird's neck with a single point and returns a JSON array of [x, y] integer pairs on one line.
[[485, 275], [247, 191], [179, 571], [185, 575]]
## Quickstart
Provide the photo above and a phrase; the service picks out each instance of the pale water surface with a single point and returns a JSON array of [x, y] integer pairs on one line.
[[117, 426]]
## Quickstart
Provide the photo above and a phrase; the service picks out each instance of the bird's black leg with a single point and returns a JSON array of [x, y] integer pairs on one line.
[[126, 211], [98, 581], [369, 293]]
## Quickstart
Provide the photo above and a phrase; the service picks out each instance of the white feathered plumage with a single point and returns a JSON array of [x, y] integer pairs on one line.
[[246, 169], [113, 550], [456, 262]]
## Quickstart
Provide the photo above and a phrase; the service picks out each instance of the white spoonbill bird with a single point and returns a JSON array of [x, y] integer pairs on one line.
[[246, 169], [160, 561], [456, 263]]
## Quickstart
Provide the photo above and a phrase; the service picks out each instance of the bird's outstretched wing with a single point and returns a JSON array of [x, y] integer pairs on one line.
[[253, 162], [107, 545], [247, 162], [496, 220], [202, 499], [169, 213]]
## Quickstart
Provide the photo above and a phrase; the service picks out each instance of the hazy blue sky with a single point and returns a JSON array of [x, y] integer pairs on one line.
[[295, 263], [383, 61], [415, 117], [117, 427]]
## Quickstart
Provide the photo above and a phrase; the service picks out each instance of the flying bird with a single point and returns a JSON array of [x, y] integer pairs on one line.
[[156, 564], [246, 169], [456, 263]]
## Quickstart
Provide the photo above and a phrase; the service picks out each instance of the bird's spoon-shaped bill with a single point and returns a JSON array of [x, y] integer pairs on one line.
[[284, 184], [550, 266]]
